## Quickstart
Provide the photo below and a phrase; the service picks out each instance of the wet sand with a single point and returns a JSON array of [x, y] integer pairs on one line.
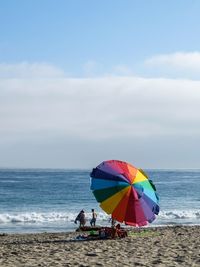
[[165, 246]]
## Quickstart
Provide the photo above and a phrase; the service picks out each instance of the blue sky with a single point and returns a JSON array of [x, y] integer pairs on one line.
[[71, 33], [86, 81]]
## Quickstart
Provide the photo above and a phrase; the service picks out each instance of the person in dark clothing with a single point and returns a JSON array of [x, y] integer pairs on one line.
[[81, 218], [94, 218]]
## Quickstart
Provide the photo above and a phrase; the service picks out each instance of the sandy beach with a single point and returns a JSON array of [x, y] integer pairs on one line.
[[166, 246]]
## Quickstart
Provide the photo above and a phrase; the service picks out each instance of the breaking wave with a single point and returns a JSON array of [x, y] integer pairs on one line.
[[69, 217], [180, 214], [51, 217]]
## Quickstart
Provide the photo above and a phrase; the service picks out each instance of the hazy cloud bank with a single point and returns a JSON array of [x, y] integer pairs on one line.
[[55, 111]]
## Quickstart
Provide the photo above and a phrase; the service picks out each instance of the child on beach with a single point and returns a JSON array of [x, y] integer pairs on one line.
[[94, 217], [81, 218]]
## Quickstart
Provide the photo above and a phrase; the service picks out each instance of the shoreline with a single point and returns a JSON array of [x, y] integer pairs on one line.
[[73, 229], [177, 245]]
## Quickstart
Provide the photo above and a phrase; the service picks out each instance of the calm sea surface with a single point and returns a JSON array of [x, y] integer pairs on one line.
[[35, 200]]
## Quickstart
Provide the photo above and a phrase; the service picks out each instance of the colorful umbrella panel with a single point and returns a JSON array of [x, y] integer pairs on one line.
[[125, 192]]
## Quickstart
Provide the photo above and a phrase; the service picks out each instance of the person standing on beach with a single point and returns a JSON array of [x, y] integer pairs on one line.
[[94, 218], [113, 222], [81, 218]]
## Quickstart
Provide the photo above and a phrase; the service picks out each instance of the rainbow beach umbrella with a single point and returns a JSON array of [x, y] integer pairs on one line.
[[125, 192]]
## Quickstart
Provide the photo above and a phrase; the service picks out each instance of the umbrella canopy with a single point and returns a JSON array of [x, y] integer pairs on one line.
[[125, 192]]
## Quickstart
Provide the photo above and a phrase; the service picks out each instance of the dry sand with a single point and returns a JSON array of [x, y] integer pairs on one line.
[[167, 246]]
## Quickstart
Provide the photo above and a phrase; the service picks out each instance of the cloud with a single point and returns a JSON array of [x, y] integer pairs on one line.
[[126, 114], [178, 60], [28, 70], [176, 65], [122, 70], [92, 68], [104, 107]]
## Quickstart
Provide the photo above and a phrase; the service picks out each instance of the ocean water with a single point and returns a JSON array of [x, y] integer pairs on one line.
[[47, 200]]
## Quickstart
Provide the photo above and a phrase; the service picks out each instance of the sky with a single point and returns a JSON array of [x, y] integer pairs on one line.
[[86, 81]]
